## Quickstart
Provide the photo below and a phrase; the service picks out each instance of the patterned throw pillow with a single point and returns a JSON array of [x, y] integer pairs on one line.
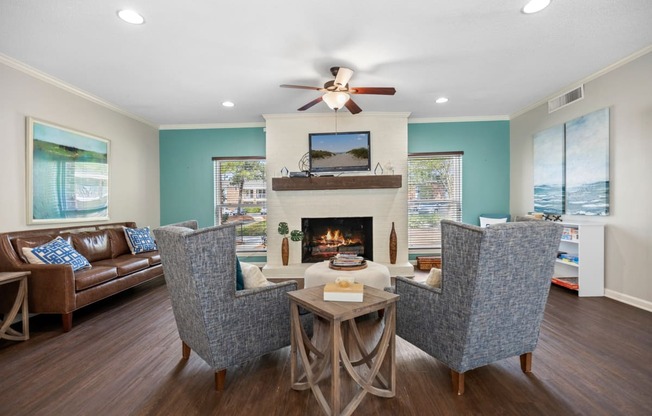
[[239, 277], [140, 240], [57, 251]]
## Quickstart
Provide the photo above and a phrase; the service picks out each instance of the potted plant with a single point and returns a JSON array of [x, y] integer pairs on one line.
[[295, 235]]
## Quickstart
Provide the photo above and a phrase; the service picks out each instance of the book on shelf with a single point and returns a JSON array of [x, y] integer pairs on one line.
[[567, 282], [568, 258], [570, 234], [350, 293]]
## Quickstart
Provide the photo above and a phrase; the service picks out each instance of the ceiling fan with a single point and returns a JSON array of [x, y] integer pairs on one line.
[[337, 93]]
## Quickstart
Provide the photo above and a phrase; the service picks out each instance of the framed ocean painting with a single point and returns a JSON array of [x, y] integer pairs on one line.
[[549, 180], [587, 164], [67, 174]]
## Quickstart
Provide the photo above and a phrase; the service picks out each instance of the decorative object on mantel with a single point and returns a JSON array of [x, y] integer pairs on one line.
[[284, 172], [392, 245], [304, 162], [551, 217], [389, 167], [295, 235], [378, 170]]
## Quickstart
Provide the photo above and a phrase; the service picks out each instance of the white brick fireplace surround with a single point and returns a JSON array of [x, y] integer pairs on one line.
[[287, 142]]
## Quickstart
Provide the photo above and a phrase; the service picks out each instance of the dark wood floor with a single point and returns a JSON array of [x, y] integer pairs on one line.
[[123, 357]]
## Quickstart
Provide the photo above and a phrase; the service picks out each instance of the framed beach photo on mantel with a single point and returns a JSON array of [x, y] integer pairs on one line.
[[67, 174]]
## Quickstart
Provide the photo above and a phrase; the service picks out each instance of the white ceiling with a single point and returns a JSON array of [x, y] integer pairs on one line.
[[189, 57]]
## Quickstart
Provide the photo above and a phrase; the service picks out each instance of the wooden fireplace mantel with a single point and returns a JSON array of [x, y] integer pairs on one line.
[[337, 182]]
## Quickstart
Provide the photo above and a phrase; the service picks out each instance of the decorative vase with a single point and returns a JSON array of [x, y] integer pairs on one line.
[[285, 251], [392, 245]]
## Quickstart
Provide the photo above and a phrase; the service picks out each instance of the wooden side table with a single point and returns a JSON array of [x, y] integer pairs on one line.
[[21, 300], [341, 315]]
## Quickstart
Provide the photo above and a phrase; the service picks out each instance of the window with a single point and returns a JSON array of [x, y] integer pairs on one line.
[[240, 197], [434, 193]]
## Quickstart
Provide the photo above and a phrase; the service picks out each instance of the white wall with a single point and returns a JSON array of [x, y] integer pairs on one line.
[[287, 142], [627, 91], [134, 159]]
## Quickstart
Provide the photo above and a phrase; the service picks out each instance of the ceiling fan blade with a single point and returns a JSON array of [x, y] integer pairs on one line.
[[303, 87], [352, 107], [373, 90], [343, 76], [311, 103]]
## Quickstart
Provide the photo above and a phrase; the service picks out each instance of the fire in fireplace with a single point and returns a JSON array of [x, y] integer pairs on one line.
[[326, 237]]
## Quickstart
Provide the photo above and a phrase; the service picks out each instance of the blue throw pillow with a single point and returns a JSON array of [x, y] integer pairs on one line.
[[239, 278], [58, 251], [140, 240]]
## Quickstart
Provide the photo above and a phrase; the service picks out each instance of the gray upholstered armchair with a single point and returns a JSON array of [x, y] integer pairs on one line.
[[495, 284], [223, 326]]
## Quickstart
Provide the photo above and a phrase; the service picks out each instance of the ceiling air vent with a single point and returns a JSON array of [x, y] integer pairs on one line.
[[566, 99]]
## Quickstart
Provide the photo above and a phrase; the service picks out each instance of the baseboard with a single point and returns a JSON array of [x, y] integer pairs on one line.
[[630, 300]]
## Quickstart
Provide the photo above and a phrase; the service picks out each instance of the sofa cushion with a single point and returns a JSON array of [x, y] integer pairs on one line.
[[154, 257], [57, 251], [87, 278], [119, 244], [94, 245], [139, 239], [125, 264]]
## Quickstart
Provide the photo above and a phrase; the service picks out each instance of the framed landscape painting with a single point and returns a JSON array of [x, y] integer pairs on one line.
[[67, 174], [587, 164], [549, 178]]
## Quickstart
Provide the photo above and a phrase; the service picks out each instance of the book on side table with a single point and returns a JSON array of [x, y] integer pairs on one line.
[[337, 292]]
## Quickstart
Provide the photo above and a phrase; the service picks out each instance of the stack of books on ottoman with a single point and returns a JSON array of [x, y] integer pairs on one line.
[[344, 290], [347, 262]]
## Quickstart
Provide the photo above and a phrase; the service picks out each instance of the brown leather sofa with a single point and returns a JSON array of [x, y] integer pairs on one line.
[[55, 288]]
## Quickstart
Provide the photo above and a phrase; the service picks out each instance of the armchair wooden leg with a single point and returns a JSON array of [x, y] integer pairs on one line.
[[185, 350], [526, 362], [458, 382], [66, 321], [220, 378]]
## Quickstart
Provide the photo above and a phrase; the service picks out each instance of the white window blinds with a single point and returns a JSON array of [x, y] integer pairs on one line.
[[434, 193], [240, 197]]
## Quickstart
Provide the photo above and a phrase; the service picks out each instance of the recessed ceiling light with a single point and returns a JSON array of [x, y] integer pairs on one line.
[[228, 104], [441, 100], [131, 16], [534, 6]]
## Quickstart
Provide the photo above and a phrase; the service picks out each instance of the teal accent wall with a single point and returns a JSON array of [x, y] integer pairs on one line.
[[187, 167], [485, 164], [186, 163]]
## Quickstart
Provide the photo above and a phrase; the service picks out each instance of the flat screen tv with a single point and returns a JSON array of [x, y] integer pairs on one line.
[[340, 152]]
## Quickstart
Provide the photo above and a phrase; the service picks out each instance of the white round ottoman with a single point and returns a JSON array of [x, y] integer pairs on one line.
[[374, 275]]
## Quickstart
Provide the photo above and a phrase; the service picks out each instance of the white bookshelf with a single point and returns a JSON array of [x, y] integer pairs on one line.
[[584, 243]]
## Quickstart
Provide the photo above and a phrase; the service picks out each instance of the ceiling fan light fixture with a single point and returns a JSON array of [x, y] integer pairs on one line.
[[343, 76], [335, 99], [534, 6]]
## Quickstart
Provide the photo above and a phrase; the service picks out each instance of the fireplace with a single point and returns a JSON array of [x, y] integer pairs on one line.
[[326, 237]]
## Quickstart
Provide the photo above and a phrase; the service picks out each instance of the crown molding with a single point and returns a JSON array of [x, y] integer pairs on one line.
[[209, 126], [456, 119], [364, 114], [590, 78], [42, 76]]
